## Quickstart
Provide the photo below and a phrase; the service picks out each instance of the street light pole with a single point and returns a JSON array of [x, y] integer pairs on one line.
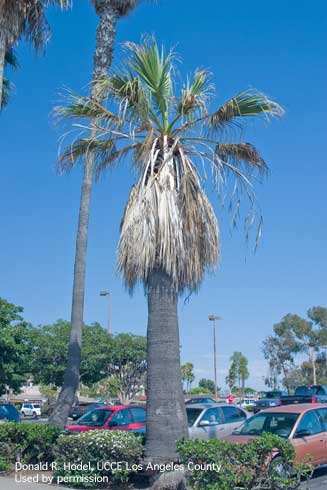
[[107, 293], [213, 318]]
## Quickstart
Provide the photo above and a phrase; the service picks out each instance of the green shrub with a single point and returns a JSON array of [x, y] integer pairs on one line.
[[27, 442], [95, 447], [239, 466]]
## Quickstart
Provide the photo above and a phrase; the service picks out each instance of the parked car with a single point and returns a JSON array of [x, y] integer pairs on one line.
[[208, 421], [304, 425], [8, 413], [270, 399], [247, 403], [306, 394], [78, 410], [31, 410], [118, 417], [201, 399]]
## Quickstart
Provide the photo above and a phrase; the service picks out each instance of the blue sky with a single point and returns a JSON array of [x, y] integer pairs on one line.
[[277, 47]]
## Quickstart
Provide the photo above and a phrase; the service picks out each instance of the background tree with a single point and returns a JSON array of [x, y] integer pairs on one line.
[[207, 384], [108, 12], [238, 370], [15, 347], [22, 18], [169, 231], [127, 364], [293, 336], [50, 349], [279, 350], [188, 375]]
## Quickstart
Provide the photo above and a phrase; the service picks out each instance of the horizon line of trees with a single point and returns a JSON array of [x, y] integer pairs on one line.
[[295, 338], [113, 365]]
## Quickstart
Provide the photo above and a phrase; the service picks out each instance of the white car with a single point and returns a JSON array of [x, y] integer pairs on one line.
[[247, 403], [214, 421], [30, 410]]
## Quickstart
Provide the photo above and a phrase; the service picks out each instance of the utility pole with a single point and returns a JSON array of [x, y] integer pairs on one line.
[[213, 318], [107, 293]]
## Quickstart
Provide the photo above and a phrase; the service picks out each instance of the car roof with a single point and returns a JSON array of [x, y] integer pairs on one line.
[[295, 408], [209, 405], [118, 407]]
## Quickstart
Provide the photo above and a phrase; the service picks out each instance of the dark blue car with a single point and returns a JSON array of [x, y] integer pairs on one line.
[[8, 413]]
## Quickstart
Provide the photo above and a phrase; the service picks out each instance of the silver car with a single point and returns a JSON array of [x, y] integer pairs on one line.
[[214, 421]]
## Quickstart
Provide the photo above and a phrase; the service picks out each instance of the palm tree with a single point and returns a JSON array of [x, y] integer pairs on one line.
[[108, 11], [23, 18], [11, 61], [169, 231]]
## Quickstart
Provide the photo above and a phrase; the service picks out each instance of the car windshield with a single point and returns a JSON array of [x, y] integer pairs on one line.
[[271, 394], [94, 417], [311, 390], [277, 423], [192, 415], [36, 405]]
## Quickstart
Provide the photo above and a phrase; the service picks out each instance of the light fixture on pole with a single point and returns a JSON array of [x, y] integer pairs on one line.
[[213, 318], [107, 293]]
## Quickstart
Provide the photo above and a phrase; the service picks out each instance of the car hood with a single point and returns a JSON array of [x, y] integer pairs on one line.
[[80, 428], [239, 439]]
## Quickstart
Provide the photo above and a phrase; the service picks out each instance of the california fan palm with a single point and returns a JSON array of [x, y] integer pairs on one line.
[[169, 232], [23, 18], [108, 12]]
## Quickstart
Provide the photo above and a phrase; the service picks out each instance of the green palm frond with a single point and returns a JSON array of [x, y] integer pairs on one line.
[[246, 104], [85, 107], [194, 95], [154, 67], [128, 90]]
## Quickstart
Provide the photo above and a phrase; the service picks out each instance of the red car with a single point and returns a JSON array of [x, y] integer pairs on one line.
[[119, 417]]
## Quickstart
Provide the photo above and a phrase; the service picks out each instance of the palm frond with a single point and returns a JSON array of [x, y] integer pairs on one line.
[[79, 148], [113, 157], [194, 94], [85, 107], [7, 86], [154, 68], [246, 104], [241, 153], [11, 59]]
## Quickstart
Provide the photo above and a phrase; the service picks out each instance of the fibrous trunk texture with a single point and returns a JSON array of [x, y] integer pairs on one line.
[[166, 414]]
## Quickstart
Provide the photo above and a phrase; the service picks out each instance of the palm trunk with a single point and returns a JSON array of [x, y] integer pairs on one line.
[[166, 415], [102, 60], [2, 67]]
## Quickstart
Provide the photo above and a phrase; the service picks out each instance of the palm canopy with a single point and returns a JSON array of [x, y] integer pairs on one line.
[[25, 17], [169, 222]]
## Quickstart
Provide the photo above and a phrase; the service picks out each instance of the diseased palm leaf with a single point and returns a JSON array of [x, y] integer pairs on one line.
[[102, 149], [246, 104], [168, 221], [241, 152]]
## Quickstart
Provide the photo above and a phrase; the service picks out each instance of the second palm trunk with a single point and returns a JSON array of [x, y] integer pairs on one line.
[[166, 414]]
